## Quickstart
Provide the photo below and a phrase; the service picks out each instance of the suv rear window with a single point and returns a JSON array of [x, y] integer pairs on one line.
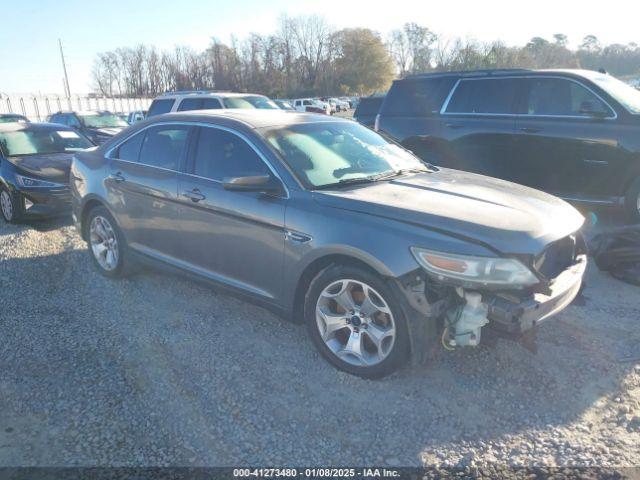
[[491, 95], [417, 96], [159, 107], [368, 106]]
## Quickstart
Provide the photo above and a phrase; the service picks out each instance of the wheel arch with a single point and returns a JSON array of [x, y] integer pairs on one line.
[[89, 204], [318, 265]]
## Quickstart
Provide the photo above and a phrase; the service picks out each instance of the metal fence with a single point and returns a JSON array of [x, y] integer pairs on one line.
[[38, 107]]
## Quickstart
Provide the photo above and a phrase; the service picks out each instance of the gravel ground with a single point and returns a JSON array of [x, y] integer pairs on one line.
[[161, 370]]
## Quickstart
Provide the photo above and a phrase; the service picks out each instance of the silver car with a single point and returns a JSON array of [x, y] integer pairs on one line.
[[330, 224]]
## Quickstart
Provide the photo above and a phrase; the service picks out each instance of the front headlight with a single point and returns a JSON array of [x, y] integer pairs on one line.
[[472, 269], [34, 182]]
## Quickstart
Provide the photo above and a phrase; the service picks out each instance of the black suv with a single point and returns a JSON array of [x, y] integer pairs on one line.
[[573, 133], [98, 126]]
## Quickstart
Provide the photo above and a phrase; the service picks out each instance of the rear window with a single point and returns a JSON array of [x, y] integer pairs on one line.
[[368, 106], [492, 96], [417, 96], [159, 107]]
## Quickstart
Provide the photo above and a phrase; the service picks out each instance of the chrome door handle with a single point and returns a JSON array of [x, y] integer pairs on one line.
[[454, 126], [117, 177], [530, 129], [194, 195]]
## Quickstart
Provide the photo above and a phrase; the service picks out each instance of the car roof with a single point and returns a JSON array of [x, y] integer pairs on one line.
[[252, 118], [18, 126], [203, 93], [503, 72], [85, 112]]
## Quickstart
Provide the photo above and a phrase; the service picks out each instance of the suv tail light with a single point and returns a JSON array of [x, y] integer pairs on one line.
[[376, 124]]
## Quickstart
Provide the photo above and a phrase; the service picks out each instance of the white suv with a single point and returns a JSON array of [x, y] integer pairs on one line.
[[311, 105], [206, 100]]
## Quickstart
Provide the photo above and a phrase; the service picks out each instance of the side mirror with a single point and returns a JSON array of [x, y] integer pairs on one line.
[[253, 183]]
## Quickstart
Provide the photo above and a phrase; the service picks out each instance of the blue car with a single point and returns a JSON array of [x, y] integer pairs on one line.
[[35, 159]]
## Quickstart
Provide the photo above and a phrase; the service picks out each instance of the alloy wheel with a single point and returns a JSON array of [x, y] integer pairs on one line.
[[355, 322], [7, 205], [104, 243]]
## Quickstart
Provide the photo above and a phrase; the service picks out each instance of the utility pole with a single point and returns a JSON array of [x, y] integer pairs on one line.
[[64, 68]]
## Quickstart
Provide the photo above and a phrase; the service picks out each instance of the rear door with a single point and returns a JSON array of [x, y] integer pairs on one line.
[[478, 125], [564, 149], [233, 237], [143, 186]]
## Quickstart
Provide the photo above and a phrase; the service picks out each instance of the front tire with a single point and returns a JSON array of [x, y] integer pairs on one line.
[[107, 246], [356, 322], [9, 206], [632, 202]]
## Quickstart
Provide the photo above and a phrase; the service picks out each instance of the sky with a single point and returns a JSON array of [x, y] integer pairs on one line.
[[30, 57]]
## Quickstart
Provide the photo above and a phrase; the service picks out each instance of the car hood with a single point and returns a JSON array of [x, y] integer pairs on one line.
[[106, 132], [53, 167], [503, 216]]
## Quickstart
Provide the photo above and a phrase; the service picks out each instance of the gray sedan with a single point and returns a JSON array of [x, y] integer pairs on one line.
[[330, 224]]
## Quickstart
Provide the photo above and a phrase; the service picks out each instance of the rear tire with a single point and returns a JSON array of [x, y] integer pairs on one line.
[[356, 322], [9, 205], [107, 245], [632, 202]]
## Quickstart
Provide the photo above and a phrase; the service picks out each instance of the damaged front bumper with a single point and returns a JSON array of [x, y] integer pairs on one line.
[[459, 314], [515, 314]]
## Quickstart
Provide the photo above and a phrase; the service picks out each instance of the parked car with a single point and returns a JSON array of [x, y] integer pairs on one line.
[[367, 109], [99, 126], [205, 100], [341, 105], [327, 222], [136, 116], [123, 116], [284, 104], [12, 117], [348, 101], [573, 133], [34, 169], [311, 105], [334, 107]]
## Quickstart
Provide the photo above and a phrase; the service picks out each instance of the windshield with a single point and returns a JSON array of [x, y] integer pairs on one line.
[[102, 120], [328, 153], [41, 141], [624, 93], [250, 101]]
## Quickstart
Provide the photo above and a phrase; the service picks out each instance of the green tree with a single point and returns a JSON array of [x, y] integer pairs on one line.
[[363, 64]]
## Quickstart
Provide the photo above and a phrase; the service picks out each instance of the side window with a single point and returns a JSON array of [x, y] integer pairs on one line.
[[221, 154], [57, 118], [307, 102], [557, 96], [159, 107], [130, 149], [190, 104], [211, 104], [72, 121], [486, 96], [416, 96], [163, 146]]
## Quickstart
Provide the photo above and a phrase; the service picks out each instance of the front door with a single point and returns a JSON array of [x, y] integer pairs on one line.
[[233, 237]]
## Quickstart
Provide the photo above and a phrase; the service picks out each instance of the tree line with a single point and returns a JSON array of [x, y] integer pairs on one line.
[[306, 56]]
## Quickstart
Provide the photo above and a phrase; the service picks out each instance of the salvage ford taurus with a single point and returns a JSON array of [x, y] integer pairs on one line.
[[327, 222]]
